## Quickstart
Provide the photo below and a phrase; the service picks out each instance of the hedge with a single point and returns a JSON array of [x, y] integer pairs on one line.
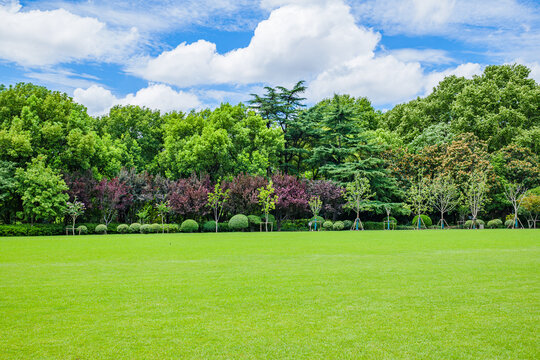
[[36, 230]]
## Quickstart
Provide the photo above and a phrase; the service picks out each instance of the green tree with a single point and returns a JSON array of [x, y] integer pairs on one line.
[[419, 198], [163, 208], [216, 201], [8, 190], [267, 200], [42, 191], [357, 195], [74, 210], [445, 196], [476, 194], [315, 205]]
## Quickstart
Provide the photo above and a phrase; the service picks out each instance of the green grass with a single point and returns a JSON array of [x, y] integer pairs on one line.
[[455, 294]]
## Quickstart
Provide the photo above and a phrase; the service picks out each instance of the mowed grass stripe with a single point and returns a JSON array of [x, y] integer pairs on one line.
[[373, 294]]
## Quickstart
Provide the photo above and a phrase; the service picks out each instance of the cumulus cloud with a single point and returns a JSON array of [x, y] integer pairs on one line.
[[467, 70], [37, 38], [295, 42], [99, 100]]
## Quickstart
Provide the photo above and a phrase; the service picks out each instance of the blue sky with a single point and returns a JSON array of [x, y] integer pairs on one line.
[[184, 54]]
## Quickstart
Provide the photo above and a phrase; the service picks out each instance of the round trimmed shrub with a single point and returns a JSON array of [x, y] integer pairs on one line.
[[509, 223], [156, 228], [101, 229], [239, 222], [189, 226], [327, 225], [469, 223], [320, 221], [135, 228], [271, 219], [347, 224], [254, 220], [122, 229], [146, 229], [209, 226], [83, 230], [338, 226], [495, 223], [425, 219]]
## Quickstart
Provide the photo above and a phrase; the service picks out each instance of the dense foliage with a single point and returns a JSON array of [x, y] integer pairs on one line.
[[136, 165]]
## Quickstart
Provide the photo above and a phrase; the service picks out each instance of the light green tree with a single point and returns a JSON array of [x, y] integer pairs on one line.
[[476, 194], [315, 205], [419, 198], [267, 200], [163, 208], [357, 195], [42, 191], [74, 210], [445, 196], [216, 201]]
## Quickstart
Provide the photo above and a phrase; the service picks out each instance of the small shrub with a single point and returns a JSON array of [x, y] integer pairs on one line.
[[327, 225], [189, 226], [347, 224], [254, 220], [338, 226], [146, 229], [101, 229], [135, 228], [156, 228], [373, 225], [469, 223], [239, 222], [172, 228], [223, 227], [122, 229], [495, 223], [392, 219], [209, 226], [509, 223], [426, 221], [83, 230]]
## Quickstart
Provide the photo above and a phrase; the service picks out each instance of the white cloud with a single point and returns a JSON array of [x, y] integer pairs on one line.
[[426, 56], [295, 42], [99, 100], [383, 80], [467, 70], [37, 38]]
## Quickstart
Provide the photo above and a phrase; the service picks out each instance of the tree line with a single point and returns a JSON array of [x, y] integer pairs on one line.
[[124, 163]]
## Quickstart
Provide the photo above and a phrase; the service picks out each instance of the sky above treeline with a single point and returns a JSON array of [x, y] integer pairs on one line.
[[185, 54]]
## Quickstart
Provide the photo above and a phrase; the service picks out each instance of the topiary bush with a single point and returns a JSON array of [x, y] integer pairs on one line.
[[223, 227], [156, 228], [209, 226], [101, 229], [135, 228], [122, 229], [327, 225], [469, 223], [83, 230], [239, 222], [189, 226], [495, 223], [347, 224], [146, 229], [338, 226], [426, 221], [509, 223]]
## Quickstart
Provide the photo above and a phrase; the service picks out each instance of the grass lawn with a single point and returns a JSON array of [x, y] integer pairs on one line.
[[454, 294]]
